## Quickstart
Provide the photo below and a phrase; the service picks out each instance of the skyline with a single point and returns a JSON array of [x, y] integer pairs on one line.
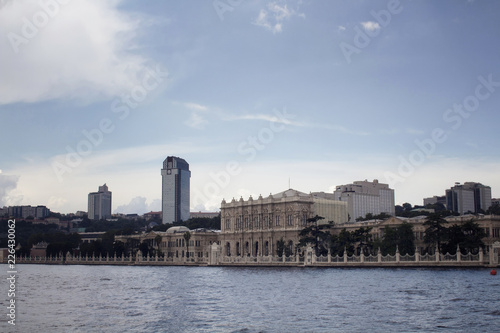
[[251, 95]]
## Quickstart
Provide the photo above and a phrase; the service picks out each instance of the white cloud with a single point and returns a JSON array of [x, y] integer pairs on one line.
[[138, 205], [341, 28], [264, 117], [196, 106], [414, 131], [272, 19], [370, 26], [8, 183], [285, 121], [196, 121], [338, 128], [83, 50]]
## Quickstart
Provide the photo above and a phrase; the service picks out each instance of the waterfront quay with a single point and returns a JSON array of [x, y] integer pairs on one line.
[[213, 257]]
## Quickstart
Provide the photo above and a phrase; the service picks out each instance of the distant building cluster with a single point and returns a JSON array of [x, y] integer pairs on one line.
[[346, 204], [36, 212], [469, 198]]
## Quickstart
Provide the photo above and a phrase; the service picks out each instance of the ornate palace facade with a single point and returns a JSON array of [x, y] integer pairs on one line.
[[256, 227]]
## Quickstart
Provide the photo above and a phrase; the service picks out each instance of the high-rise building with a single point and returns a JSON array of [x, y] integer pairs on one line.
[[99, 204], [365, 197], [435, 200], [468, 198], [175, 189]]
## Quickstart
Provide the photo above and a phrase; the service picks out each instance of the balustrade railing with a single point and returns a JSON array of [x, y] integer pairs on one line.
[[307, 258]]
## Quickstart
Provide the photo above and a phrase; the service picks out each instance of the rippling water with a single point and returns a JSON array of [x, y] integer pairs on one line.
[[223, 299]]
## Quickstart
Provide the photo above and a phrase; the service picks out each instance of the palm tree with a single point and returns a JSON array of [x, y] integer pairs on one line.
[[187, 237]]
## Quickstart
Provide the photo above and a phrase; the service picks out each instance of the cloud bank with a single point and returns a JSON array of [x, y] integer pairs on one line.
[[79, 49]]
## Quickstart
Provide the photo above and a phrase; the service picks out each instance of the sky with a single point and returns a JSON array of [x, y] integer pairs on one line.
[[257, 96]]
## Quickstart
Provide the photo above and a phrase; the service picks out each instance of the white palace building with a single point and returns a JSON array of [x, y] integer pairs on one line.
[[255, 226]]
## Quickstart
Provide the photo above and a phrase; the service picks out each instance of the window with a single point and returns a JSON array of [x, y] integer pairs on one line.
[[304, 219], [256, 222], [266, 221], [228, 224], [290, 220], [278, 221], [238, 226], [246, 223]]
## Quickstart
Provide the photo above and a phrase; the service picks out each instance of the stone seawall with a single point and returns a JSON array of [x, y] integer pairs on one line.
[[306, 260]]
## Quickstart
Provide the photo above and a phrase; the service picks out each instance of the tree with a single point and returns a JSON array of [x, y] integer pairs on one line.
[[187, 237], [370, 216], [363, 237], [280, 247], [406, 239], [400, 237], [316, 234], [158, 240], [407, 206], [473, 235], [144, 248], [435, 233], [118, 249], [494, 209], [389, 241], [344, 241]]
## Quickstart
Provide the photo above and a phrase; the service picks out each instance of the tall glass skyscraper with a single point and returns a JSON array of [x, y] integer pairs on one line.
[[175, 189]]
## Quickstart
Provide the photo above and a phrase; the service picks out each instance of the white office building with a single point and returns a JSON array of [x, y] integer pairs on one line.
[[365, 197], [99, 205]]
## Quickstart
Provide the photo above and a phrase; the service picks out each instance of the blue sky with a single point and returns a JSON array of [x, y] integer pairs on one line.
[[253, 94]]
